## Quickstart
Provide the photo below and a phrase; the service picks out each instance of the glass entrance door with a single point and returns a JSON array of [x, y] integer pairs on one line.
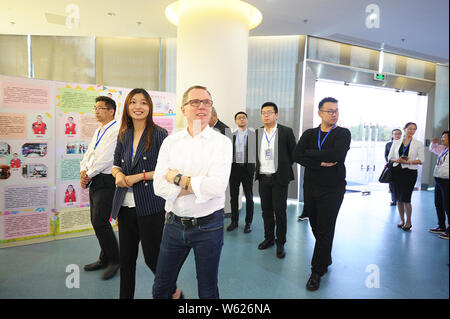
[[371, 113]]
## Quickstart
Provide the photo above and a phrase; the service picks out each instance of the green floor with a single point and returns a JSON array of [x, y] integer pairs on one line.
[[372, 259]]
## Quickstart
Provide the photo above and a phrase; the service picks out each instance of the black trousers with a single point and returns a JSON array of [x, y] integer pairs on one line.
[[101, 192], [323, 205], [242, 173], [273, 204], [441, 201], [134, 229]]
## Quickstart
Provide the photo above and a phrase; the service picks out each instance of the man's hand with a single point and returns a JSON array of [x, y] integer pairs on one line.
[[84, 179], [325, 164], [171, 173]]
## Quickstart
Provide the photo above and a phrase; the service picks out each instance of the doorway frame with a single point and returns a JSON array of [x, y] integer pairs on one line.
[[314, 70]]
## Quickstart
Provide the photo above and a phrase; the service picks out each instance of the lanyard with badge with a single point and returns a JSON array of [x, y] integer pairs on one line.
[[99, 138], [405, 148], [442, 156], [98, 134], [320, 143], [268, 151], [240, 151]]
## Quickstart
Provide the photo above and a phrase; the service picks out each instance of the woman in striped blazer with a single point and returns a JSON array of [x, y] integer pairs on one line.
[[139, 211], [406, 154]]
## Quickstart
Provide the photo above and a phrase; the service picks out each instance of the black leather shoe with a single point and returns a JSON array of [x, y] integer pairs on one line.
[[280, 251], [248, 228], [313, 282], [232, 226], [110, 271], [266, 244], [95, 266]]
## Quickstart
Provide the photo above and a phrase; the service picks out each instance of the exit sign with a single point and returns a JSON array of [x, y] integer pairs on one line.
[[379, 77]]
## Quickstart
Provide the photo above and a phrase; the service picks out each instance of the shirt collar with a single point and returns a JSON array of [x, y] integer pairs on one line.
[[206, 132], [273, 128], [106, 125]]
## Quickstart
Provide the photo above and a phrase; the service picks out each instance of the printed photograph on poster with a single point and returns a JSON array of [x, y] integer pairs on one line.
[[77, 148], [34, 171], [40, 125], [5, 172], [34, 149], [70, 195], [16, 161], [70, 127], [5, 149]]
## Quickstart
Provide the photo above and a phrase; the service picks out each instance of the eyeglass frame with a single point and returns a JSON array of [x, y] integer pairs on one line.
[[200, 103], [95, 108], [330, 112], [269, 113]]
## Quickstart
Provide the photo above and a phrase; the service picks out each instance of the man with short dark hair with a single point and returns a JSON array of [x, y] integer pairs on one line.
[[242, 171], [95, 173], [322, 152], [275, 144]]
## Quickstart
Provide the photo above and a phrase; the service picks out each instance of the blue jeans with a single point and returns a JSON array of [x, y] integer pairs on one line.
[[177, 241]]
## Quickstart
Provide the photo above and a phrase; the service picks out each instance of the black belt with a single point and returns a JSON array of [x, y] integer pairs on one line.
[[192, 221]]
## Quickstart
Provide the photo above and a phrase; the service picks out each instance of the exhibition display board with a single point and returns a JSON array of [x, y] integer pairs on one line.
[[45, 128]]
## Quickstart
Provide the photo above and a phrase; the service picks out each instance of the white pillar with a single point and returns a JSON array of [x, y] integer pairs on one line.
[[212, 50]]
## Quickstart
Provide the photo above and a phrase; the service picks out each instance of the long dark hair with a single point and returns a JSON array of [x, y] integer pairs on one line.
[[127, 122]]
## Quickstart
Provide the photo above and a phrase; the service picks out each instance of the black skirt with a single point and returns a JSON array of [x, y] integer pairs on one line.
[[404, 180]]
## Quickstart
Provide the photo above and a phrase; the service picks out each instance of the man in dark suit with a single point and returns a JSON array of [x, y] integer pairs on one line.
[[275, 145], [215, 123], [242, 171]]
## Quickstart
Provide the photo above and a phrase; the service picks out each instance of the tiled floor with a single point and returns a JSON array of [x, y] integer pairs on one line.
[[372, 258]]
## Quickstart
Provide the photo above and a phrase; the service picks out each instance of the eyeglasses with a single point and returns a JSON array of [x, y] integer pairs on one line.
[[267, 113], [243, 117], [100, 108], [331, 112], [197, 103]]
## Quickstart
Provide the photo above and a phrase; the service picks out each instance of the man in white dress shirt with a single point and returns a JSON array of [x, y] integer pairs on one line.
[[192, 175], [95, 173]]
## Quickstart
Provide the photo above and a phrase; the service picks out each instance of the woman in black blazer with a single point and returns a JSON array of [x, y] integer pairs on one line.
[[139, 211]]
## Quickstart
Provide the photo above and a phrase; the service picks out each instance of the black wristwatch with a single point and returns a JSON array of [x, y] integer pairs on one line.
[[177, 179]]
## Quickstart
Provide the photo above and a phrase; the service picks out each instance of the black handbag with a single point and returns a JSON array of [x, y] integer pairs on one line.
[[386, 174]]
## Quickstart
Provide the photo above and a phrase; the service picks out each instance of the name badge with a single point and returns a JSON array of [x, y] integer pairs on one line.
[[268, 153], [436, 170], [239, 157]]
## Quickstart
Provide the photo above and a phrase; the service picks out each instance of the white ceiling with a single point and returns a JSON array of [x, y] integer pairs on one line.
[[423, 25]]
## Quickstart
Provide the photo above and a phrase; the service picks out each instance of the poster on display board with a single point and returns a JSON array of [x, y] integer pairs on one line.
[[27, 161], [45, 129]]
